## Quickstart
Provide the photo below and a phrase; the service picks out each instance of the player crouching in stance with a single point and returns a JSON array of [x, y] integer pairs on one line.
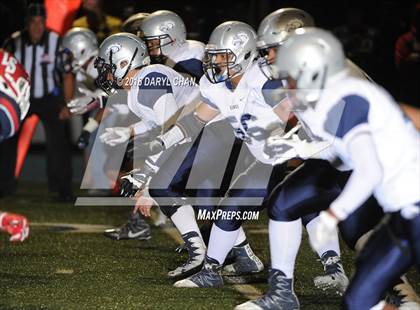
[[369, 133], [14, 105], [80, 48], [153, 96], [226, 91]]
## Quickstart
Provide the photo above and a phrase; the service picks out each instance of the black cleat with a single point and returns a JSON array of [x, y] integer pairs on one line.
[[135, 228]]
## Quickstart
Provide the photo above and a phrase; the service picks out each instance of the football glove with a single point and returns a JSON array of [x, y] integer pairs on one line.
[[88, 102], [325, 229], [115, 135], [16, 225], [284, 149], [136, 180]]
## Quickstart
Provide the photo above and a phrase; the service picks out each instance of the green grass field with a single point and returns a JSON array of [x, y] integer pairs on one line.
[[59, 268]]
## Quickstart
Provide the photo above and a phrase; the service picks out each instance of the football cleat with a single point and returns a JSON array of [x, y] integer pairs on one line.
[[403, 296], [208, 276], [135, 228], [280, 295], [196, 252], [335, 278], [245, 262]]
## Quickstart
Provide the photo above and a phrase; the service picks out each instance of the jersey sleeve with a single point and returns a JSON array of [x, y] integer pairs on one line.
[[206, 93], [192, 66], [348, 114], [152, 87], [9, 118], [271, 91]]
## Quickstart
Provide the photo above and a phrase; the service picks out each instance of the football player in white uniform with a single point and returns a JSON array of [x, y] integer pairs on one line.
[[165, 35], [166, 38], [230, 53], [155, 95], [80, 47], [369, 133]]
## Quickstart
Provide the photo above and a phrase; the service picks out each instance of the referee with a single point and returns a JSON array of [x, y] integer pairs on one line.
[[38, 50]]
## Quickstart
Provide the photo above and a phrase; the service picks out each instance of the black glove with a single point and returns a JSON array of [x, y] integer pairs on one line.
[[144, 150], [83, 140], [127, 188], [135, 180]]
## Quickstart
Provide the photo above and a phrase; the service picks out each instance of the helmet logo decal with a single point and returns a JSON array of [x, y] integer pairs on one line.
[[114, 48], [293, 24], [167, 26], [240, 39]]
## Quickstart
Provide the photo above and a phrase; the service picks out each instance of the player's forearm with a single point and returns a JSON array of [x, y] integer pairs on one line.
[[186, 129], [68, 86], [367, 174]]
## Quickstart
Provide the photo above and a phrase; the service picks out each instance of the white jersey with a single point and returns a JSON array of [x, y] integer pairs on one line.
[[187, 58], [351, 105], [245, 108], [157, 93]]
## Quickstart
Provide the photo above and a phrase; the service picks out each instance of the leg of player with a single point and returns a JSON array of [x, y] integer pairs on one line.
[[221, 242], [389, 252], [301, 193], [184, 220], [335, 277]]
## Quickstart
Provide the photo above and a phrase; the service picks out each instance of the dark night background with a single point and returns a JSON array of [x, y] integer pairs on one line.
[[368, 29]]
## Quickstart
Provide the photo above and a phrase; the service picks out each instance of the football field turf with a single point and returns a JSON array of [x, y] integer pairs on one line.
[[67, 264]]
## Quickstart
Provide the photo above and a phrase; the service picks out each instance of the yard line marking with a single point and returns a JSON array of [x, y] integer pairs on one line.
[[73, 227]]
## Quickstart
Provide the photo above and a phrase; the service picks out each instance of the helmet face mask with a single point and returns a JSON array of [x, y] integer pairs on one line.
[[66, 64], [231, 50], [267, 56], [166, 30], [154, 46], [220, 65], [106, 75], [118, 55]]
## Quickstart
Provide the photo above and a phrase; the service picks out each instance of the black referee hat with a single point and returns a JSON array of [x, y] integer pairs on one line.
[[35, 9]]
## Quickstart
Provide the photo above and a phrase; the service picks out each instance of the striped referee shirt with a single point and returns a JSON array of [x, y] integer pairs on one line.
[[39, 60]]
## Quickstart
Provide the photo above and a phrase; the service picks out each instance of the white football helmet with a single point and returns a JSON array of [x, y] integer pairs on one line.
[[118, 54], [79, 45], [167, 29], [308, 60], [235, 43]]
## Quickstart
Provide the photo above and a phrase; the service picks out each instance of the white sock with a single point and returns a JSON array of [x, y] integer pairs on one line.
[[221, 242], [241, 237], [332, 245], [184, 220], [285, 238]]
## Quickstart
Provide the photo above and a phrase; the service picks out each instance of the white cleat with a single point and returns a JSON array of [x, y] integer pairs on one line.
[[335, 278], [249, 305], [185, 283]]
